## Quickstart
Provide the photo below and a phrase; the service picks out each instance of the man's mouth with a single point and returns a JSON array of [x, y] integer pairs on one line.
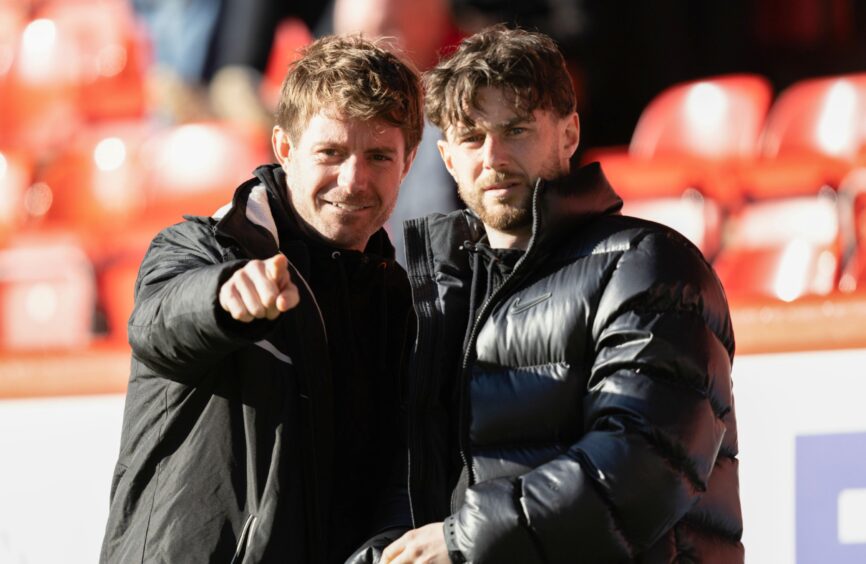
[[501, 185], [348, 207]]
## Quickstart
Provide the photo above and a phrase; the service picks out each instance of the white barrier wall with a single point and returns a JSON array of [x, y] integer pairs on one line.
[[57, 458], [802, 430], [802, 427]]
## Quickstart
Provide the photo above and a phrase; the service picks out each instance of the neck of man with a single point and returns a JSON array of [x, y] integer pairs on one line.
[[516, 239]]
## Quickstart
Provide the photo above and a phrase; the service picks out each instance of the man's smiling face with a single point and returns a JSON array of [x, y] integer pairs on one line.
[[343, 175]]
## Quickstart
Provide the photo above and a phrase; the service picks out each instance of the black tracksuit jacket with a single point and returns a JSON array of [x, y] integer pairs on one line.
[[248, 442]]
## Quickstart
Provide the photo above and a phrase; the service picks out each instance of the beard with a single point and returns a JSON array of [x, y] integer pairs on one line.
[[509, 213], [513, 211]]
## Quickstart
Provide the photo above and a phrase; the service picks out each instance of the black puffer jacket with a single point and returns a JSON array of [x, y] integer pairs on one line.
[[595, 411], [228, 447]]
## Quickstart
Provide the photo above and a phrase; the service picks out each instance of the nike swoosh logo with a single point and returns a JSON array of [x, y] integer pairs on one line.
[[518, 307]]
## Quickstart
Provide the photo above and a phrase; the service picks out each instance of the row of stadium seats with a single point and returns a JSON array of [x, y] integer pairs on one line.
[[88, 174], [771, 191]]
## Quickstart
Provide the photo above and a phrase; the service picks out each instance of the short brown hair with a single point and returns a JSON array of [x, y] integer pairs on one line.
[[357, 78], [528, 64]]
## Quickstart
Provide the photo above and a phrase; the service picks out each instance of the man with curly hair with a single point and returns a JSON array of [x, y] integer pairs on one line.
[[571, 391]]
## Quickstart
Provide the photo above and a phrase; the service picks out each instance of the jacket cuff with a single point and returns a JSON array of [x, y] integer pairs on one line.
[[450, 530]]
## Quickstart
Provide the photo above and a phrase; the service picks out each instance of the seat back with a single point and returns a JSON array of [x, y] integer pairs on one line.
[[783, 249], [821, 117], [194, 168], [694, 216], [47, 294], [715, 118]]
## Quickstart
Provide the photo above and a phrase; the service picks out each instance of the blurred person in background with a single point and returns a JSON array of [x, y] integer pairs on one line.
[[262, 419], [571, 396], [210, 55], [422, 29], [182, 34]]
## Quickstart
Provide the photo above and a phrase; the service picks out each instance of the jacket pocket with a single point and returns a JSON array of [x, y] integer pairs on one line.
[[244, 540]]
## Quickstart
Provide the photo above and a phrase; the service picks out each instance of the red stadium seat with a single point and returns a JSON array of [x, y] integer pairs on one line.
[[47, 294], [96, 183], [717, 118], [687, 135], [111, 53], [782, 249], [694, 216], [39, 92], [812, 137], [194, 168], [76, 61]]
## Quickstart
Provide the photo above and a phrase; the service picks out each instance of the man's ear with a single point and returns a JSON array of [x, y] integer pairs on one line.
[[570, 135], [445, 152], [282, 145]]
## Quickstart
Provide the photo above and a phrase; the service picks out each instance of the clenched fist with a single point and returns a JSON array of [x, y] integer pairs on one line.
[[262, 288]]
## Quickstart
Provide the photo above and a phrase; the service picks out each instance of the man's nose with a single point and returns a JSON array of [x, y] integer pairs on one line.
[[354, 174], [495, 153]]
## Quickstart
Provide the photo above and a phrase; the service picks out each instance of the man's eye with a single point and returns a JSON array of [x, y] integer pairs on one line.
[[382, 157], [471, 139], [516, 130], [328, 152]]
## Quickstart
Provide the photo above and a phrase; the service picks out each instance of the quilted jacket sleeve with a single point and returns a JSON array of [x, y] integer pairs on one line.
[[177, 326], [654, 408]]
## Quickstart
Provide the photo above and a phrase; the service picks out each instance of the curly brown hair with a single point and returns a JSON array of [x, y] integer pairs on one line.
[[526, 64], [357, 79]]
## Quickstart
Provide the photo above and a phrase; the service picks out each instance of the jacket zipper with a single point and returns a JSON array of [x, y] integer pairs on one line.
[[480, 318], [313, 475], [315, 301]]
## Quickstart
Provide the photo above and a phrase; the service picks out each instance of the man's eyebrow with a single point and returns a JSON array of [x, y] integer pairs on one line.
[[384, 149], [516, 120], [464, 129]]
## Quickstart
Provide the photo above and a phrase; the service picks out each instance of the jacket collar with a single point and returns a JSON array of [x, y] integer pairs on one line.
[[566, 204], [560, 206], [261, 220]]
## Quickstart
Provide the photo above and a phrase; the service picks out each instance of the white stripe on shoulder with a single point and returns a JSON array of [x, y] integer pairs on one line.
[[220, 213], [268, 346], [258, 211]]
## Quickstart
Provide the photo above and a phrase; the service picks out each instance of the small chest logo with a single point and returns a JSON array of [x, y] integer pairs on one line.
[[520, 306]]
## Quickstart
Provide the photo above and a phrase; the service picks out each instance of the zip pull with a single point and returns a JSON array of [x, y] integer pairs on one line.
[[468, 246]]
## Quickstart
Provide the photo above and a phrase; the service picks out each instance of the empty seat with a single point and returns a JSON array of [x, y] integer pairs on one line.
[[194, 168], [96, 182], [812, 137], [716, 118], [110, 52], [75, 61], [47, 294], [686, 136], [782, 249], [694, 216], [39, 91]]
